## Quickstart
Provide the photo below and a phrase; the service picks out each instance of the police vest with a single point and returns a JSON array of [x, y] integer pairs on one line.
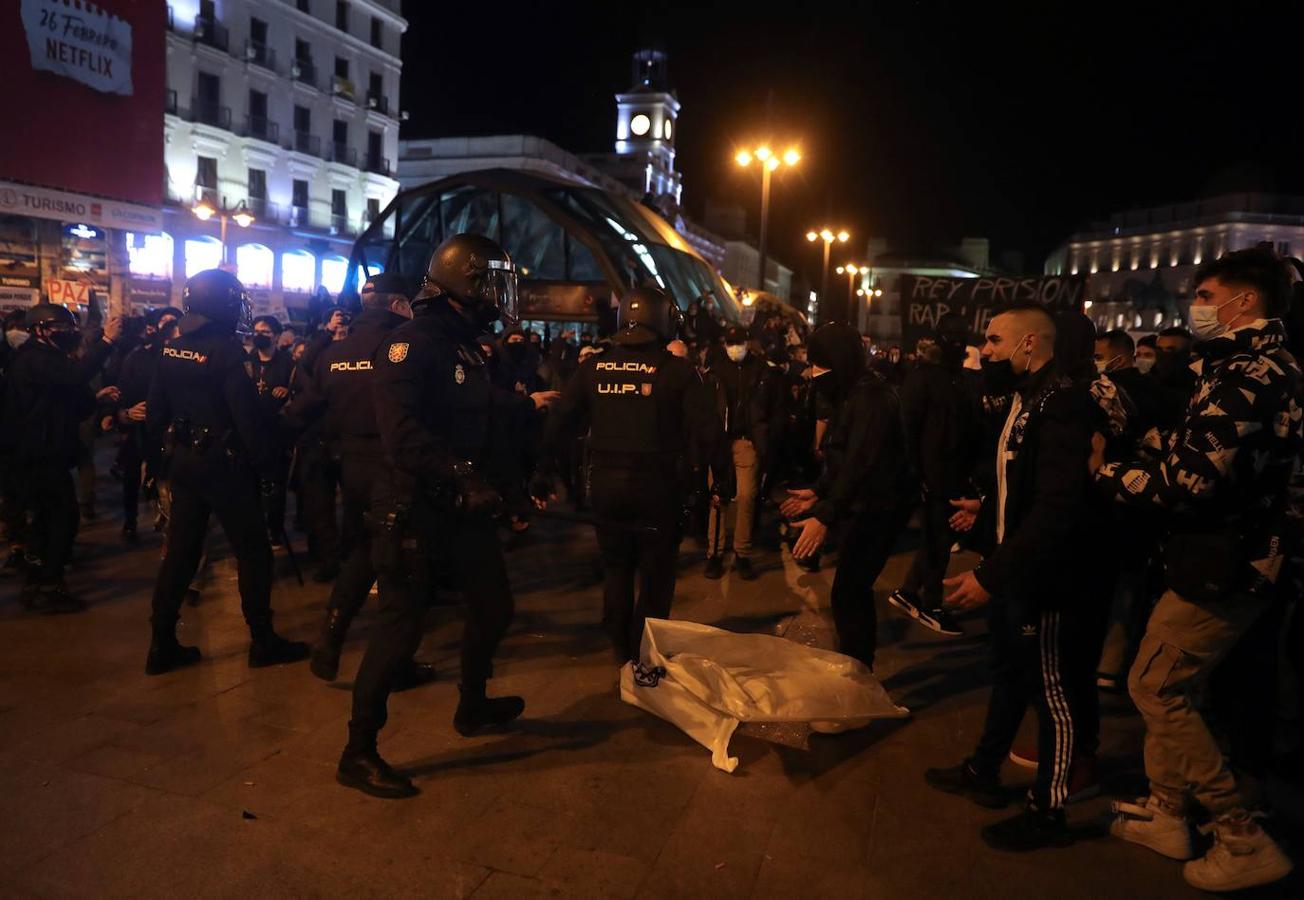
[[625, 403]]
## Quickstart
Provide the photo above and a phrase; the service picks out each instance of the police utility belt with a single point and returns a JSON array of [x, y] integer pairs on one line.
[[198, 439]]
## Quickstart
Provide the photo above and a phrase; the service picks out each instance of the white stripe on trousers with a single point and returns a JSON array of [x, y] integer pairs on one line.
[[1058, 707]]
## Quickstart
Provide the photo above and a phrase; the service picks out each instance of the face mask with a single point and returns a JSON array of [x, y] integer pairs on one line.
[[67, 341], [1102, 365], [262, 341], [517, 350], [1204, 320], [999, 376], [1145, 364], [737, 352]]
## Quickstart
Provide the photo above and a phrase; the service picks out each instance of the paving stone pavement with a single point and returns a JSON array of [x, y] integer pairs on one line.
[[217, 781]]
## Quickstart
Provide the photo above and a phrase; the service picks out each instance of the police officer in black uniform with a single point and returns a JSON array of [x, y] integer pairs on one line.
[[649, 414], [340, 389], [203, 404], [434, 405], [48, 397]]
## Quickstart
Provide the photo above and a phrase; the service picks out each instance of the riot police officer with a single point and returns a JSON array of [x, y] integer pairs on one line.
[[649, 414], [48, 397], [203, 404], [434, 401], [340, 390]]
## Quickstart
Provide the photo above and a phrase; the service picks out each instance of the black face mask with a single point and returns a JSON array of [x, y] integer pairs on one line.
[[517, 351], [263, 341], [999, 377], [67, 341], [1172, 366]]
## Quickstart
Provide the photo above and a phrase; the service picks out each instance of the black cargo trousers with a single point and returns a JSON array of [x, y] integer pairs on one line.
[[205, 483], [361, 467], [432, 539], [638, 533]]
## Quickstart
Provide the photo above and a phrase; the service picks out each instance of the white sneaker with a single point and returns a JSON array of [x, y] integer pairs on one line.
[[1152, 827], [1236, 863]]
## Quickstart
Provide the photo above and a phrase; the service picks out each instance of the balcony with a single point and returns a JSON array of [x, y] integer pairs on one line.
[[204, 194], [298, 217], [343, 153], [304, 72], [209, 113], [303, 142], [266, 212], [340, 224], [378, 164], [342, 87], [260, 54], [211, 32], [262, 128], [379, 103]]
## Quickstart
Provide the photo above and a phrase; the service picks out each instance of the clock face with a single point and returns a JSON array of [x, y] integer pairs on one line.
[[668, 129], [640, 124]]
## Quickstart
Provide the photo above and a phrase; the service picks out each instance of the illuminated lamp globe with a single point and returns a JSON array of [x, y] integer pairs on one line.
[[640, 124]]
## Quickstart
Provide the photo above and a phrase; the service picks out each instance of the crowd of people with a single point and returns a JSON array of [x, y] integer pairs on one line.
[[1135, 505]]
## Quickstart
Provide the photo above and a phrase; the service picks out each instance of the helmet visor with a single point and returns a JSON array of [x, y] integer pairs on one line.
[[500, 289]]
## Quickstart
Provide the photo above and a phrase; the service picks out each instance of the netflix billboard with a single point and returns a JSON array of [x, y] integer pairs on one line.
[[85, 81]]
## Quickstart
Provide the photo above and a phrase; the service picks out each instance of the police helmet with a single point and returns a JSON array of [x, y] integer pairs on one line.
[[50, 315], [648, 309], [219, 297], [477, 273]]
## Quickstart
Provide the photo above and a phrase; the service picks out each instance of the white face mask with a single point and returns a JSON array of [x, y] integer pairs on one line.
[[1204, 320], [1102, 365], [737, 352], [1144, 364]]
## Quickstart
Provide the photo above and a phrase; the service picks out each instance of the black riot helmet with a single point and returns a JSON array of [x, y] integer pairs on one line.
[[475, 272], [217, 296], [51, 315], [647, 314]]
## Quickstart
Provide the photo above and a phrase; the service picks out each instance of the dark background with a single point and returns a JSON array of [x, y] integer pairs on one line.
[[919, 122]]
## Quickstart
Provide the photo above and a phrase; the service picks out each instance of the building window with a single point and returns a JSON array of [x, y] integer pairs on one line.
[[150, 255], [373, 209], [304, 6], [339, 203], [202, 253], [298, 271], [342, 15], [377, 35], [341, 68], [299, 194], [257, 184], [375, 85], [206, 179], [340, 133], [333, 271], [1283, 248], [253, 263]]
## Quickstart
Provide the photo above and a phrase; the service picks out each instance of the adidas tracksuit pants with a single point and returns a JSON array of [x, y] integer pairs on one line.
[[1039, 659]]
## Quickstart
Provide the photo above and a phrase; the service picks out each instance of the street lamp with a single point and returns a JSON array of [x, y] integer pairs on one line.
[[768, 161], [240, 213], [851, 270], [826, 234]]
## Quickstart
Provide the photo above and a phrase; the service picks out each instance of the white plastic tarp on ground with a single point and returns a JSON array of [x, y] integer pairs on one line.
[[706, 681]]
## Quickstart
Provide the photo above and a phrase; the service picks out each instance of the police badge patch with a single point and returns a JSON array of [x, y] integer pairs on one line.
[[459, 374], [398, 352], [647, 390]]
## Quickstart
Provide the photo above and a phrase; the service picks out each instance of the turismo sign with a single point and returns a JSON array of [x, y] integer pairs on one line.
[[80, 41]]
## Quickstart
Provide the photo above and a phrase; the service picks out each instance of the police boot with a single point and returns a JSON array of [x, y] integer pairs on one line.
[[165, 654], [55, 599], [325, 660], [414, 674], [270, 649], [362, 768], [477, 713]]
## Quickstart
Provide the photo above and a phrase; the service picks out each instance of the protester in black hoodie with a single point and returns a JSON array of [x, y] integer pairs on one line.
[[866, 483]]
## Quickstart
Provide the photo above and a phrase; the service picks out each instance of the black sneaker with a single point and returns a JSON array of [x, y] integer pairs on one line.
[[743, 566], [940, 620], [164, 656], [714, 568], [56, 600], [367, 772], [907, 603], [477, 713], [271, 649], [965, 782], [1030, 829], [810, 563]]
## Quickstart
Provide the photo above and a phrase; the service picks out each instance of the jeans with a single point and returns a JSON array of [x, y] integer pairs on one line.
[[746, 478]]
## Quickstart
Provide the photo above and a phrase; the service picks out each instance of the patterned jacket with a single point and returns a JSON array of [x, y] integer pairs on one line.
[[1227, 467]]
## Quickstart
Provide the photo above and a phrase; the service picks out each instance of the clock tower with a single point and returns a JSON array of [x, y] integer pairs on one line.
[[647, 116]]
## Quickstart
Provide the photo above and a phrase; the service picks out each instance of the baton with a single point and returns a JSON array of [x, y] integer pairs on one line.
[[581, 519]]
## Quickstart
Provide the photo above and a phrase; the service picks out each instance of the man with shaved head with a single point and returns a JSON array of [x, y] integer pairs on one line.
[[1031, 581]]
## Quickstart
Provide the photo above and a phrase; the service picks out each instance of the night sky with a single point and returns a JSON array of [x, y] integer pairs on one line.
[[920, 122]]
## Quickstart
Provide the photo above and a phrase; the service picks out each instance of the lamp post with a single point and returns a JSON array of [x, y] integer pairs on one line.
[[768, 161], [240, 213], [826, 235], [851, 270]]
